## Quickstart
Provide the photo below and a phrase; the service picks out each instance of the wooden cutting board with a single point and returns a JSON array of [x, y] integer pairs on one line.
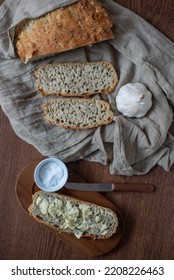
[[26, 187]]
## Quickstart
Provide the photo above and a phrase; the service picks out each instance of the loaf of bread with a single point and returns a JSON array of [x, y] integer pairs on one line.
[[76, 79], [82, 23], [67, 214], [76, 113]]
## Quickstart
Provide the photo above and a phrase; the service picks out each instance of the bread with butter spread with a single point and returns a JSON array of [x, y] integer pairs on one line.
[[67, 214], [76, 79], [77, 113], [82, 23]]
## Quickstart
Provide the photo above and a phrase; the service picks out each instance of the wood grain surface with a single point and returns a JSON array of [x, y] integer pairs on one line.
[[149, 217], [26, 187]]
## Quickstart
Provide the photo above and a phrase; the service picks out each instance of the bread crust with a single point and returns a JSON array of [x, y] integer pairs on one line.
[[48, 109], [104, 64], [82, 23], [77, 201]]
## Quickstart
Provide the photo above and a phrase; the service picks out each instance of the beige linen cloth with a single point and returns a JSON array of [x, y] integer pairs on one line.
[[138, 52]]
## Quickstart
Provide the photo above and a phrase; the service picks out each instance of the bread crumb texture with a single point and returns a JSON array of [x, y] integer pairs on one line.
[[76, 113], [76, 79], [79, 24], [67, 214]]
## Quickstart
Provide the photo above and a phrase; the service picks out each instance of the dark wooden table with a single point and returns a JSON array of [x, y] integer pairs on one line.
[[149, 218]]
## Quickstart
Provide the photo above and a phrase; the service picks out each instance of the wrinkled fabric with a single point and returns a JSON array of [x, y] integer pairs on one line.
[[138, 52]]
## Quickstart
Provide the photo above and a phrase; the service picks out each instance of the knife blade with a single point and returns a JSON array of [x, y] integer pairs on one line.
[[107, 187]]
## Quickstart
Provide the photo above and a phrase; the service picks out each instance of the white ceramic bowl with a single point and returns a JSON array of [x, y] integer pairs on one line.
[[51, 174]]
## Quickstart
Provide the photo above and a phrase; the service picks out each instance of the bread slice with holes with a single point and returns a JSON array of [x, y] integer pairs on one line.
[[76, 79], [77, 113], [70, 215]]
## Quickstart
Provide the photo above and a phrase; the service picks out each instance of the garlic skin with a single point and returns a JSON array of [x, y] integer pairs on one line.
[[134, 100]]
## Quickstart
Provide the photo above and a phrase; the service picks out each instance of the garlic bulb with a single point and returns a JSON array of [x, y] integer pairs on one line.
[[134, 100]]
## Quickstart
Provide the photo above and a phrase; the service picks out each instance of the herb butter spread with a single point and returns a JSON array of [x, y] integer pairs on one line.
[[72, 215]]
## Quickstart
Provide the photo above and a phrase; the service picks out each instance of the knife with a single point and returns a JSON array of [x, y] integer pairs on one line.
[[107, 187]]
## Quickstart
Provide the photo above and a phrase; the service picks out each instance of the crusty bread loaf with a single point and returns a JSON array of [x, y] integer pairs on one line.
[[76, 79], [76, 113], [73, 216], [82, 23]]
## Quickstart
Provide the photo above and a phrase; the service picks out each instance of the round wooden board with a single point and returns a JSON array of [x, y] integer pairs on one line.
[[26, 187]]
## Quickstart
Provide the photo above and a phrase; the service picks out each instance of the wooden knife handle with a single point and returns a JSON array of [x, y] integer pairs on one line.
[[132, 187]]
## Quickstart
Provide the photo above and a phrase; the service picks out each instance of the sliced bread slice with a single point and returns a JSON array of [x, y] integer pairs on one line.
[[70, 215], [76, 79], [77, 113]]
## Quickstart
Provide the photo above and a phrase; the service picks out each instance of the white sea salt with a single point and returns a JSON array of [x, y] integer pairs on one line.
[[51, 174]]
